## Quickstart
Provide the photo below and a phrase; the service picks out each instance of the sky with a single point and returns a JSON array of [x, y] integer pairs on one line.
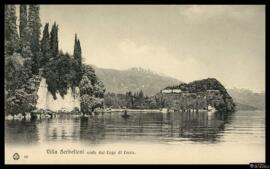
[[187, 42]]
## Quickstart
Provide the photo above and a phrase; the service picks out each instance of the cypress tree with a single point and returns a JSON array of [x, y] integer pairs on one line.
[[45, 46], [23, 20], [54, 40], [34, 29], [75, 46], [24, 33], [11, 34], [77, 54]]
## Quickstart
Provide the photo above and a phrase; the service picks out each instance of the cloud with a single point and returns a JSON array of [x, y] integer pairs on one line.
[[200, 13], [160, 60], [188, 42]]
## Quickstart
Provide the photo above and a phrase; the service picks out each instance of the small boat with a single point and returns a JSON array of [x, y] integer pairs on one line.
[[125, 115]]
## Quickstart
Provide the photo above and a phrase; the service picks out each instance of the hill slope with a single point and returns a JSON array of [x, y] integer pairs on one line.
[[134, 79], [240, 106], [247, 97], [209, 90]]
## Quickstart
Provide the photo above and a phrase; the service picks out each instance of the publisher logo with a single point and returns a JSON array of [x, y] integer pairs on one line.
[[16, 156]]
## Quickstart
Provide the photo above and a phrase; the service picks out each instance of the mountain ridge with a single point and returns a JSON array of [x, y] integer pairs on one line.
[[136, 79], [248, 97]]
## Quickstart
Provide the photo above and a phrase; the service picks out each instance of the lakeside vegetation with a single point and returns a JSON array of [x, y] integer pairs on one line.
[[222, 101], [136, 100], [28, 57]]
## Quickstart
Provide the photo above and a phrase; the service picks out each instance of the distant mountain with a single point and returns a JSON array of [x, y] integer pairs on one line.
[[134, 79], [240, 106], [244, 98]]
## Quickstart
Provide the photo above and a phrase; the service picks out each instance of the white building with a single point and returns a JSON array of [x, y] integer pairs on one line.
[[167, 91], [176, 90]]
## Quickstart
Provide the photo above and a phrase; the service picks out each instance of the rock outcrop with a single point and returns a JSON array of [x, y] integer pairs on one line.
[[66, 103]]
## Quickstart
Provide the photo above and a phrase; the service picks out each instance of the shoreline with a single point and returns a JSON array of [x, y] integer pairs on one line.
[[43, 115]]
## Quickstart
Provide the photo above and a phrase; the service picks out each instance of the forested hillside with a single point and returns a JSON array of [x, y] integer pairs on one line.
[[134, 80]]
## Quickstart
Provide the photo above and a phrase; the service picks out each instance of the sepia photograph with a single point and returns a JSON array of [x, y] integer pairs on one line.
[[134, 84]]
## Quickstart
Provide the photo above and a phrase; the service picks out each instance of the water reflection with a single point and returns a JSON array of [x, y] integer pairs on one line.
[[21, 132], [196, 127], [92, 129]]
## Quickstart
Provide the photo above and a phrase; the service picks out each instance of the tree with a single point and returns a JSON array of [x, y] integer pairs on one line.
[[91, 90], [54, 40], [89, 79], [78, 58], [18, 61], [16, 72], [20, 102], [99, 89], [34, 24], [129, 100], [25, 37], [89, 72], [77, 53], [89, 103], [45, 46], [86, 86], [23, 20], [61, 73], [11, 34]]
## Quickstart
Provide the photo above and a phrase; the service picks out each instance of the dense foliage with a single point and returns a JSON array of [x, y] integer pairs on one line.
[[45, 46], [11, 33], [28, 58], [130, 100], [54, 41], [225, 104], [61, 73], [34, 25], [17, 64], [91, 90]]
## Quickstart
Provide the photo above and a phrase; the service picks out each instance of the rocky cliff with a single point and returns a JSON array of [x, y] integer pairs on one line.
[[66, 103]]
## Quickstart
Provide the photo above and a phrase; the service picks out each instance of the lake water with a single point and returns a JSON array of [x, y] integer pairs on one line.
[[237, 137]]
